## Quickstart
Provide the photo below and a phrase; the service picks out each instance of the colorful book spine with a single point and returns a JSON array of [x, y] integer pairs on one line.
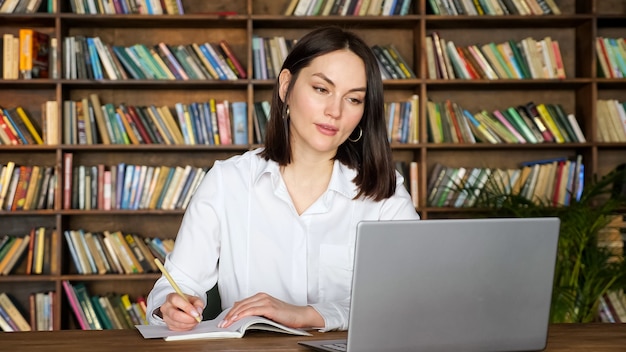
[[75, 305], [240, 122]]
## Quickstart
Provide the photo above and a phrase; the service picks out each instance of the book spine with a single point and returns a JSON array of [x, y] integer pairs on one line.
[[30, 124], [75, 304], [209, 54], [241, 71], [240, 122], [6, 323], [14, 313]]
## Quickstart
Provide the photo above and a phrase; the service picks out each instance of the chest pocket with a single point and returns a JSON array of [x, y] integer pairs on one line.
[[335, 272]]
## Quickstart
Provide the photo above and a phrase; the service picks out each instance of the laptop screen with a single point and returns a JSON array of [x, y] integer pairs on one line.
[[462, 284]]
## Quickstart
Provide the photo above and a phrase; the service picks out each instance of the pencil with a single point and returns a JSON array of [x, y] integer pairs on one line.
[[173, 283]]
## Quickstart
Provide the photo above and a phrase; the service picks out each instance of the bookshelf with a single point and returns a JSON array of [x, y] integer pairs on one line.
[[237, 21]]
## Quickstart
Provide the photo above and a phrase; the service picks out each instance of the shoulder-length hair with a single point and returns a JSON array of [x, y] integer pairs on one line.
[[371, 155]]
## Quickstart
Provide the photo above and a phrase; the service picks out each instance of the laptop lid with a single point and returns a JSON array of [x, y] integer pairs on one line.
[[462, 284]]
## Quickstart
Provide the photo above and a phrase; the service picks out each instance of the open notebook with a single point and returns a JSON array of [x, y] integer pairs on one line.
[[451, 285], [208, 329]]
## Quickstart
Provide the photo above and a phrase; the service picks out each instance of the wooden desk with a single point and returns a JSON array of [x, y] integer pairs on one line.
[[562, 338]]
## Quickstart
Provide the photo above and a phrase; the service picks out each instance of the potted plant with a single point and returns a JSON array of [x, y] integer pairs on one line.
[[583, 270]]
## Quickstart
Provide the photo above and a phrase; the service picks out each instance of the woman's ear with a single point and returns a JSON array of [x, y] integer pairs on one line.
[[283, 84]]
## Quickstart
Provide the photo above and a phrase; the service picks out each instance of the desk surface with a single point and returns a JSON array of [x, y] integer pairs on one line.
[[562, 338]]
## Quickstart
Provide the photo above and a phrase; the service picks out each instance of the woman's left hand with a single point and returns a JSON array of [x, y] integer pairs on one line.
[[262, 304]]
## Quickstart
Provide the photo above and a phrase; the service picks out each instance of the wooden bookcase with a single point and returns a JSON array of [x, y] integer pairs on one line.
[[575, 29]]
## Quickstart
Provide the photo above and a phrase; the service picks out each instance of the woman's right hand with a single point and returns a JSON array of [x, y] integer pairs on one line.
[[180, 315]]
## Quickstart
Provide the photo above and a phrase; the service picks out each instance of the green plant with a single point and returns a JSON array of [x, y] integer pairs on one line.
[[583, 271]]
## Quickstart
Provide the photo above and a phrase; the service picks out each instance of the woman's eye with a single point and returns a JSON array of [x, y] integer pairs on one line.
[[320, 89], [355, 101]]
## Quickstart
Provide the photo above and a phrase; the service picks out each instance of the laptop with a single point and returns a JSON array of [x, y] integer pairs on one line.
[[450, 285]]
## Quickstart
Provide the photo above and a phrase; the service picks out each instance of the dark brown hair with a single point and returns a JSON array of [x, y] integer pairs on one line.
[[371, 154]]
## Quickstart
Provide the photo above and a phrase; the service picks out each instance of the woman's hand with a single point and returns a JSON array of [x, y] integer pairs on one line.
[[180, 315], [267, 306]]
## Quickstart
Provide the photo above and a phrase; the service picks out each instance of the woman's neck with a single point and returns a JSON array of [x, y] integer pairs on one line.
[[306, 181]]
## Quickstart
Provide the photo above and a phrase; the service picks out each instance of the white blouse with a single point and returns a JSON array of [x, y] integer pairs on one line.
[[242, 231]]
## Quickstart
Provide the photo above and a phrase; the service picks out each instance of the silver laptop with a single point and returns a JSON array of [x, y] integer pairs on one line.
[[451, 285]]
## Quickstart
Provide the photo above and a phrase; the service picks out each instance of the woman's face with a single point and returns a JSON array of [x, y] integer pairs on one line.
[[326, 102]]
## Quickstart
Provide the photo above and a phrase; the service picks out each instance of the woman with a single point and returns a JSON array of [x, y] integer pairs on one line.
[[275, 227]]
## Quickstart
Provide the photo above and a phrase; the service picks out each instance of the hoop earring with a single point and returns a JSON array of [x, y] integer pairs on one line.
[[286, 115], [358, 138]]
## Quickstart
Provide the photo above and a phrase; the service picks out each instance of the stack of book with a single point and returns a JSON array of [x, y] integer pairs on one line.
[[109, 311], [261, 115], [18, 127], [392, 65], [113, 252], [494, 7], [11, 318], [128, 7], [526, 59], [25, 187], [129, 186], [552, 182], [448, 122], [27, 55], [612, 237], [612, 307], [22, 6], [611, 120], [91, 58], [42, 310], [38, 247], [402, 120], [611, 56], [213, 122], [348, 8], [268, 54], [12, 249]]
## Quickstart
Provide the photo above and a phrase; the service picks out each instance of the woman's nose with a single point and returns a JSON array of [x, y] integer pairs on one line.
[[333, 107]]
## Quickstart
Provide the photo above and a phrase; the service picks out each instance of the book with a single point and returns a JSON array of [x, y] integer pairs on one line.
[[72, 298], [138, 253], [127, 252], [5, 244], [68, 159], [110, 253], [31, 125], [101, 313], [6, 180], [33, 187], [7, 134], [230, 55], [83, 298], [106, 59], [240, 122], [6, 324], [9, 251], [31, 245], [85, 258], [14, 313], [96, 253], [22, 187], [119, 310], [223, 122], [208, 329], [11, 188], [34, 54], [19, 130], [50, 260]]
